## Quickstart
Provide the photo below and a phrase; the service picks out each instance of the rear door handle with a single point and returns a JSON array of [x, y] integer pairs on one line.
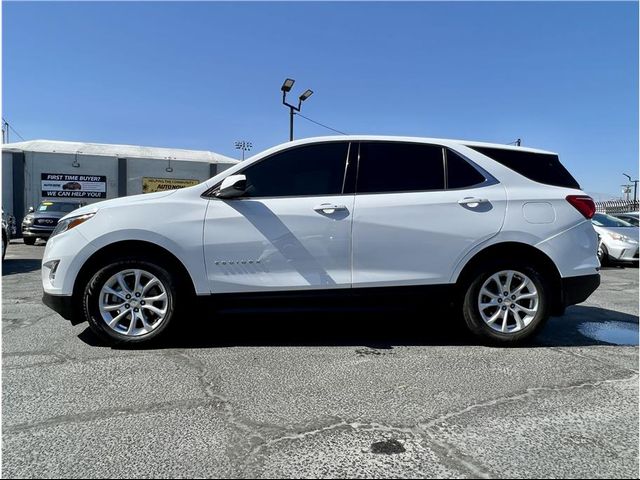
[[472, 201], [329, 208]]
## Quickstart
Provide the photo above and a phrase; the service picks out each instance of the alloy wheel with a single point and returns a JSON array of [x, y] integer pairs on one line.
[[508, 301], [133, 302]]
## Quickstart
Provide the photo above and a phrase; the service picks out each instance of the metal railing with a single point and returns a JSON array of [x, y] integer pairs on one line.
[[617, 206]]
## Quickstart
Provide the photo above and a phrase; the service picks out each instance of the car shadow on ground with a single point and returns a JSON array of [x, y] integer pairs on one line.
[[376, 330], [12, 266], [619, 265]]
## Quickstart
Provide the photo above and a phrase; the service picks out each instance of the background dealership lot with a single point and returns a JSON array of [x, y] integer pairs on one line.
[[320, 394]]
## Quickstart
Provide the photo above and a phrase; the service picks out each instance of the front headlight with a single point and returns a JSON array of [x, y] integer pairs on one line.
[[621, 238], [69, 223], [28, 218]]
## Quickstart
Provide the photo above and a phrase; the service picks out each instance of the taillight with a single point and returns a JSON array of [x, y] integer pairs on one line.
[[583, 204]]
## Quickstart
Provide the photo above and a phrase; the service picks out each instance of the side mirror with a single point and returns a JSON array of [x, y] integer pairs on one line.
[[31, 210], [233, 186]]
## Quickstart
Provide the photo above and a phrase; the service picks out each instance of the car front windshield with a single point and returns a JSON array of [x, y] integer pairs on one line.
[[57, 207], [603, 220]]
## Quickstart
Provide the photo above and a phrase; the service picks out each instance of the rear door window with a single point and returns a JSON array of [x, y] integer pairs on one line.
[[539, 167], [387, 167]]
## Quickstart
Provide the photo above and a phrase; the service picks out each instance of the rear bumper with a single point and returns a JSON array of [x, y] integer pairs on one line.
[[578, 289], [62, 305]]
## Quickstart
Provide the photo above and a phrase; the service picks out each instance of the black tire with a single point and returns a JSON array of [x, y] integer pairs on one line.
[[603, 255], [471, 311], [90, 299], [29, 240]]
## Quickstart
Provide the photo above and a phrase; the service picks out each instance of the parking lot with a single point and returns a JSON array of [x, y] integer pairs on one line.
[[319, 395]]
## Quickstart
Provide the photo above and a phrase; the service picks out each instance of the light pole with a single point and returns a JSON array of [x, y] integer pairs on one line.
[[286, 88], [635, 187], [244, 146]]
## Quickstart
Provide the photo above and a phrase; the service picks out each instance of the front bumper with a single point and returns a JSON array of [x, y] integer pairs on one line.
[[578, 289], [63, 305], [623, 251], [37, 232]]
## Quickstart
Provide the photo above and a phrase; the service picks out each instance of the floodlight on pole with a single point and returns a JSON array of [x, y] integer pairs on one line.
[[306, 95], [243, 145], [286, 88], [287, 85]]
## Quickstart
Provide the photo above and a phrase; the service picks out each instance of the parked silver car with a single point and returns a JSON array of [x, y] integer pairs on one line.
[[618, 238], [631, 217]]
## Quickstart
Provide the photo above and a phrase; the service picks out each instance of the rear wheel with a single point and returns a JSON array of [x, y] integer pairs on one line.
[[130, 301], [29, 240], [506, 305]]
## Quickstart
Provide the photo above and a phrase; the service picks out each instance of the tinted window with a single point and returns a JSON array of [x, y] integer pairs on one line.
[[460, 173], [308, 170], [399, 167], [539, 167]]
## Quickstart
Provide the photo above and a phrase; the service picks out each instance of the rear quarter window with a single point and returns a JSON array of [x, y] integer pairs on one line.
[[539, 167]]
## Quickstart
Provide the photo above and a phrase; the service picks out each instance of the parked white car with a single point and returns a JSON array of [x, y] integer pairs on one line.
[[631, 217], [618, 239], [502, 233]]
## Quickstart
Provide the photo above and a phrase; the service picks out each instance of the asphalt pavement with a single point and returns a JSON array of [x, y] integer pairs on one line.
[[325, 394]]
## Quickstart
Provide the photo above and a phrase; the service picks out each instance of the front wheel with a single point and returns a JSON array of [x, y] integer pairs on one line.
[[603, 254], [130, 301], [506, 305]]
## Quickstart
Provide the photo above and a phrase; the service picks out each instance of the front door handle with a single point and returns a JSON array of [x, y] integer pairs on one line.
[[472, 201], [329, 208]]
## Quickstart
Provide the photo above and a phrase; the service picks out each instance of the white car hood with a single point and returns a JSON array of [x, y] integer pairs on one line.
[[117, 202]]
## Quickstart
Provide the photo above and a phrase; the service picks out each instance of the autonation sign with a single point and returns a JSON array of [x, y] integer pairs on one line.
[[74, 186]]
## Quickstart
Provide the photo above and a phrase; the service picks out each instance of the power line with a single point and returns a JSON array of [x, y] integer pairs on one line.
[[322, 125], [12, 129]]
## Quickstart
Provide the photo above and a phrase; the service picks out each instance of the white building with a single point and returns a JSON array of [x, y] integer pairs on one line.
[[90, 172]]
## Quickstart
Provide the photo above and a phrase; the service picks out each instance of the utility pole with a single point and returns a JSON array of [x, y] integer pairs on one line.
[[635, 187]]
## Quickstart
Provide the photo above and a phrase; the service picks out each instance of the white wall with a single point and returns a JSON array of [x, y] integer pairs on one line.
[[145, 167], [38, 163], [7, 182]]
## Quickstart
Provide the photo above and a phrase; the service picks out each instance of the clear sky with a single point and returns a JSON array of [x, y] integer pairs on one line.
[[561, 76]]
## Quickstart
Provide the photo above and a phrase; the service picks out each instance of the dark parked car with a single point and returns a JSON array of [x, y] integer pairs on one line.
[[41, 222], [6, 235]]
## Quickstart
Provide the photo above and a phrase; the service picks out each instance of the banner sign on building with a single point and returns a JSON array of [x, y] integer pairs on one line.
[[74, 186], [152, 184]]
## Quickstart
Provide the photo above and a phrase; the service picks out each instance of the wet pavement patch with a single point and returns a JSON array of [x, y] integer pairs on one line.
[[617, 333], [387, 447], [362, 352]]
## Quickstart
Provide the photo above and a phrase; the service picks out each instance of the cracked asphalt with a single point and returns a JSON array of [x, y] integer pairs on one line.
[[325, 394]]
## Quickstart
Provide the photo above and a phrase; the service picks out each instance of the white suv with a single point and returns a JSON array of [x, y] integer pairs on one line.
[[503, 232]]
